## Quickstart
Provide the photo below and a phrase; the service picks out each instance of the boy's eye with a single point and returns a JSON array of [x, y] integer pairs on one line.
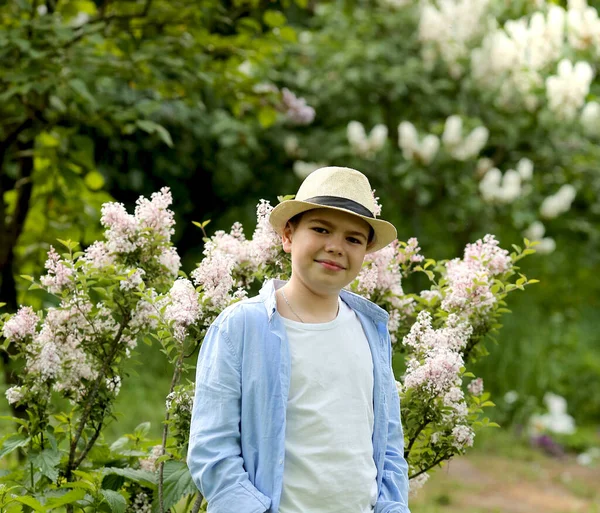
[[318, 229], [354, 241]]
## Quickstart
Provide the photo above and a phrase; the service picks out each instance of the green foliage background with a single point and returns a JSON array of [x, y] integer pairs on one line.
[[113, 99]]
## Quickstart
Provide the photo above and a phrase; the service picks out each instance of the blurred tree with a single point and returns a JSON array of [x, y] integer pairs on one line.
[[77, 72]]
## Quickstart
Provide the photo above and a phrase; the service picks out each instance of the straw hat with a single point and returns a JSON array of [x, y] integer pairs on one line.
[[338, 188]]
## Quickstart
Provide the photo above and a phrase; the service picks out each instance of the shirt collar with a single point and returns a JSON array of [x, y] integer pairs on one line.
[[354, 301]]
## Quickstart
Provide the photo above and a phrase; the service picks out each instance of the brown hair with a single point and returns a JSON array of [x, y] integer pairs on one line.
[[295, 221]]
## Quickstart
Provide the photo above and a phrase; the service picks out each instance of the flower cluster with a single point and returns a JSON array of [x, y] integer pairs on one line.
[[590, 119], [558, 203], [556, 420], [461, 147], [448, 27], [296, 109], [470, 279], [535, 232], [60, 275], [149, 464], [148, 232], [182, 307], [514, 59], [366, 145], [230, 260], [434, 369], [303, 169], [412, 148], [568, 90], [496, 187]]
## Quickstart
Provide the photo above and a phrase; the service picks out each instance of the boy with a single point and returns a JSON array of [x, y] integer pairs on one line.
[[296, 408]]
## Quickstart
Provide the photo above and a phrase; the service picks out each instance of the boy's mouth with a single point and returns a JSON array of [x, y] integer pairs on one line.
[[331, 265]]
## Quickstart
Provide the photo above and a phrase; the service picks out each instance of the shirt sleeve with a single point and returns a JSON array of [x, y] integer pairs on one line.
[[393, 495], [214, 453]]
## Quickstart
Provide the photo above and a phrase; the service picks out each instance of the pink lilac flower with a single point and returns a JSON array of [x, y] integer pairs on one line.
[[476, 387], [469, 291], [98, 255], [378, 206], [487, 253], [133, 280], [59, 275], [411, 252], [170, 259], [214, 275], [183, 307], [463, 436], [430, 295], [122, 228], [21, 325], [265, 243], [422, 337], [437, 373], [296, 109], [154, 214]]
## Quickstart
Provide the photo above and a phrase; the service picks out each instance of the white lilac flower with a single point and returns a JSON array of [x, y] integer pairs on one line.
[[449, 27], [366, 145], [557, 420], [566, 91], [583, 26], [416, 483], [590, 118], [15, 394], [525, 169], [558, 203], [303, 169], [412, 148]]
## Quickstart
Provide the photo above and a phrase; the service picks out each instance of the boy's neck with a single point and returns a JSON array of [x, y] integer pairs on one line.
[[306, 305]]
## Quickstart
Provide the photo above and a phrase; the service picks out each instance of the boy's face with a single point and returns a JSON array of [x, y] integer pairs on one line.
[[327, 247]]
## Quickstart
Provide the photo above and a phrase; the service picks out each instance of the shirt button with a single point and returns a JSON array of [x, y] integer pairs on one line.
[[281, 462]]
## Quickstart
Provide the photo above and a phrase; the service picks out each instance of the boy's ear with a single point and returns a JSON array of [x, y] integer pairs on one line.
[[286, 237]]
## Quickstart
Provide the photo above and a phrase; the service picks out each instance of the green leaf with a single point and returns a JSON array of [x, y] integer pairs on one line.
[[142, 429], [151, 127], [81, 89], [115, 500], [274, 18], [31, 502], [68, 498], [13, 442], [22, 422], [139, 476], [177, 482], [47, 461], [94, 180], [267, 116]]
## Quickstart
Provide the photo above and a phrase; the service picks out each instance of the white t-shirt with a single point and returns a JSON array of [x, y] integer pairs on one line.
[[329, 466]]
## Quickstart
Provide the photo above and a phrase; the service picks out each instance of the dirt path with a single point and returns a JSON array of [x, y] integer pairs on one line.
[[499, 484]]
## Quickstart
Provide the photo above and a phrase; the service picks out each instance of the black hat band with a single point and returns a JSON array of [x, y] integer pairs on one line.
[[347, 204]]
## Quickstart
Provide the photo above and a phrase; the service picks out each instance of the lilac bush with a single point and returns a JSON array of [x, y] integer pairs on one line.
[[128, 287]]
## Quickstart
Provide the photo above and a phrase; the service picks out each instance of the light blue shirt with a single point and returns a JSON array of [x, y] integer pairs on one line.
[[237, 439]]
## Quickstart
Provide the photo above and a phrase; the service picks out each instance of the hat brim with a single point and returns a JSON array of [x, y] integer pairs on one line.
[[385, 232]]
